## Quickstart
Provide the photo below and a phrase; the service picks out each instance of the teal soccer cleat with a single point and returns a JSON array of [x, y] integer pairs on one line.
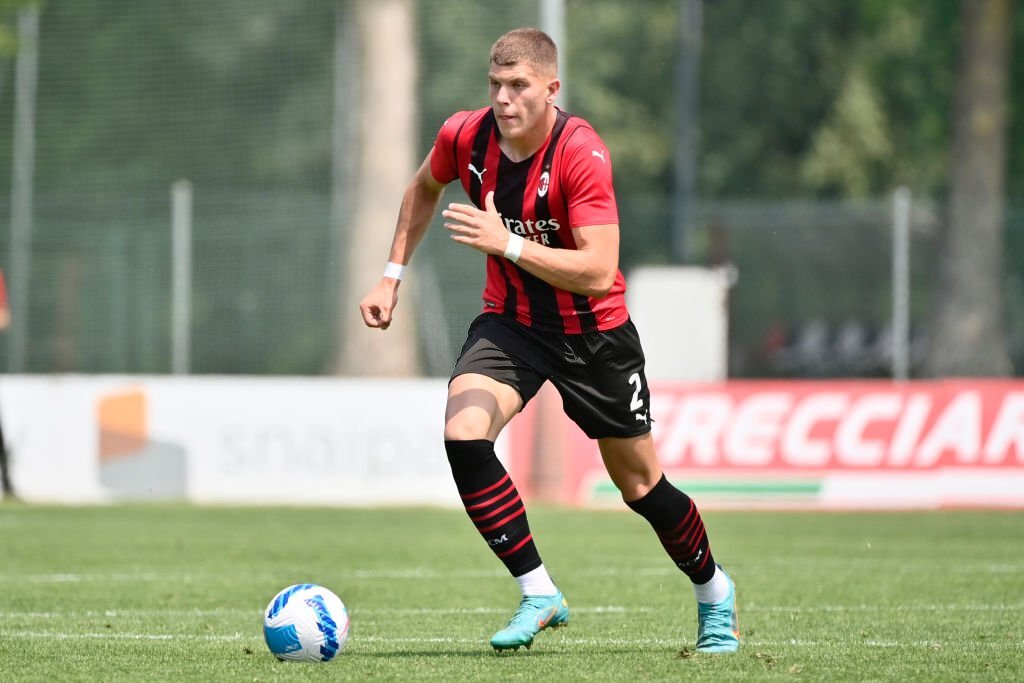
[[535, 613], [718, 628]]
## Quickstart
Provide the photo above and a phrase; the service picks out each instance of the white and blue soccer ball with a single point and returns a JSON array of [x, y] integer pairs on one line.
[[306, 623]]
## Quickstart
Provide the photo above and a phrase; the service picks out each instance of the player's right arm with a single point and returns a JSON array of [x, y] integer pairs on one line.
[[419, 203]]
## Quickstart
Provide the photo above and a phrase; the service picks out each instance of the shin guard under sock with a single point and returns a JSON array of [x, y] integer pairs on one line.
[[493, 503], [675, 519]]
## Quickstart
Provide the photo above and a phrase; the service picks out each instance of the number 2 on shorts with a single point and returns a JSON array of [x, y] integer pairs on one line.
[[636, 403]]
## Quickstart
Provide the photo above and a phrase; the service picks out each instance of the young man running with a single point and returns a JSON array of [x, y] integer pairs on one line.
[[544, 213]]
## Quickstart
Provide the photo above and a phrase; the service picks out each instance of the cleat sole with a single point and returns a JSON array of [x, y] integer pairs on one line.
[[513, 648]]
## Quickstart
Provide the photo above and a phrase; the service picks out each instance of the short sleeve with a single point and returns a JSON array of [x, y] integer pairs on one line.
[[442, 160], [590, 194]]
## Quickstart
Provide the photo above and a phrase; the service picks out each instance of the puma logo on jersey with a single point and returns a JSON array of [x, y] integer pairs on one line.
[[599, 155], [479, 174]]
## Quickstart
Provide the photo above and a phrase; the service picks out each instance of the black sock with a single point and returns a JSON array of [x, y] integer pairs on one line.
[[493, 503], [680, 529]]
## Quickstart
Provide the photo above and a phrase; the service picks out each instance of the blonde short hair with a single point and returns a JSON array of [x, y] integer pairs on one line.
[[529, 45]]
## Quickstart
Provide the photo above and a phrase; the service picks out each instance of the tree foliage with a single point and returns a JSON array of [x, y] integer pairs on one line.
[[8, 25], [798, 100], [146, 92]]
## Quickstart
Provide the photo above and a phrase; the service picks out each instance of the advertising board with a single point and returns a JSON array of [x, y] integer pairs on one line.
[[816, 444]]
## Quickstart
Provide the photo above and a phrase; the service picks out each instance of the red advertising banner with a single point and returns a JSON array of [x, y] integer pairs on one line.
[[757, 441]]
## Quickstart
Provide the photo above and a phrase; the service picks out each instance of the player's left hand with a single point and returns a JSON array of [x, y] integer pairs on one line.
[[482, 230]]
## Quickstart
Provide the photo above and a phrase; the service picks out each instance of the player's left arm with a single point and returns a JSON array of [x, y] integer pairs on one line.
[[588, 270]]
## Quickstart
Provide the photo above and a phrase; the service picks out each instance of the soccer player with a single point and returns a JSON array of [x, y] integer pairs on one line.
[[544, 213]]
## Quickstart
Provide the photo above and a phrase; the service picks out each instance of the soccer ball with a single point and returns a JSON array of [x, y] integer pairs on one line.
[[306, 623]]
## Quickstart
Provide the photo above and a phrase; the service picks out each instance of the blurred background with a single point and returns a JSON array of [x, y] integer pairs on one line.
[[769, 138]]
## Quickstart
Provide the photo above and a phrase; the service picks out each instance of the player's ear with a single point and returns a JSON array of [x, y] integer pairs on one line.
[[553, 87]]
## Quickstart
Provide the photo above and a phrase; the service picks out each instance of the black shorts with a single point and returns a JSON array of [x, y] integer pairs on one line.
[[600, 375]]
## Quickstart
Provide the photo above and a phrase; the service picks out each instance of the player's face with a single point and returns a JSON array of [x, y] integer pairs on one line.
[[520, 98]]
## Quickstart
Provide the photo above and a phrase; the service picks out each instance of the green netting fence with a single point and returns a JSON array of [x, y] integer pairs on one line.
[[238, 98]]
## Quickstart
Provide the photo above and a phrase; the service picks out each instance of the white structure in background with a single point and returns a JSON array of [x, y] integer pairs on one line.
[[682, 314]]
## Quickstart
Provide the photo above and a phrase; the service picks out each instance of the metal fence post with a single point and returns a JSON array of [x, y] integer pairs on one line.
[[901, 284], [181, 277]]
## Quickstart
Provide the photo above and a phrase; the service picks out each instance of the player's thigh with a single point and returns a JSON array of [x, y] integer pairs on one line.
[[478, 407], [491, 380], [607, 394], [632, 464]]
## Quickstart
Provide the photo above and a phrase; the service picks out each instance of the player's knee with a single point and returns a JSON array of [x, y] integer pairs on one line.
[[634, 478], [465, 428], [634, 488]]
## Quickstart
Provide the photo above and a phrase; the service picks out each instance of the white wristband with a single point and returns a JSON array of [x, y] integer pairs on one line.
[[514, 248], [394, 270]]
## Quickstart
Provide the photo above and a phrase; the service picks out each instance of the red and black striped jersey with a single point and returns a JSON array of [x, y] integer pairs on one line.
[[566, 184]]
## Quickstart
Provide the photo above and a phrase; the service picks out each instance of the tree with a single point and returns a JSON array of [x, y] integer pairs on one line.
[[385, 160], [967, 332]]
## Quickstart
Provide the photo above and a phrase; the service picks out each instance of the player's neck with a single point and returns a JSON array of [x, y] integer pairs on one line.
[[525, 146]]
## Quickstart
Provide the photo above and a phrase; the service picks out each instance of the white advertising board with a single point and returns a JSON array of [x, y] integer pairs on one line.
[[227, 440]]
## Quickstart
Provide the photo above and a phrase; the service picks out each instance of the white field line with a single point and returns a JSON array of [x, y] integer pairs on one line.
[[663, 642], [554, 642], [229, 612], [416, 574], [882, 608], [420, 611], [58, 635], [414, 611]]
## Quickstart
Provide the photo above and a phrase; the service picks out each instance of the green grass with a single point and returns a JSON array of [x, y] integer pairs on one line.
[[138, 593]]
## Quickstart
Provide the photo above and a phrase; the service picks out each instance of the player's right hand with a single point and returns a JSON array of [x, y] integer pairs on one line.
[[377, 307]]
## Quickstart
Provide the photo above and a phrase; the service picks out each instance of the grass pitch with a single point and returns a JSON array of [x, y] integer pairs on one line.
[[139, 593]]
